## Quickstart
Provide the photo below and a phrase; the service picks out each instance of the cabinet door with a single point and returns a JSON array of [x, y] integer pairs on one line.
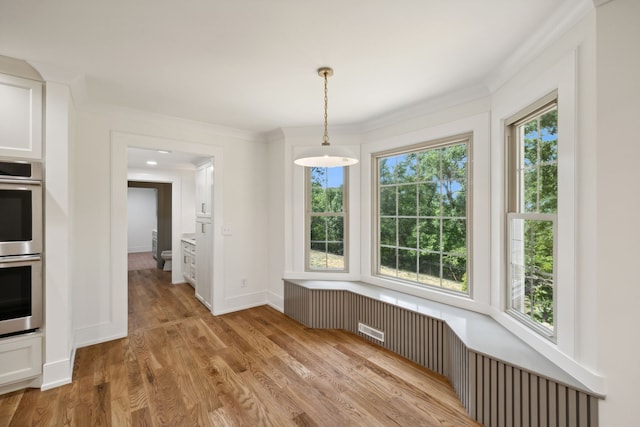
[[20, 358], [186, 258], [20, 117], [204, 261], [154, 244], [204, 188]]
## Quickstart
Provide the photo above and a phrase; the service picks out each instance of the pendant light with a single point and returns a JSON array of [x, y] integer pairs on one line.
[[326, 156]]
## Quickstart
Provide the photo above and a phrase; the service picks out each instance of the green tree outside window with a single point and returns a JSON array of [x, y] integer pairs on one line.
[[422, 216]]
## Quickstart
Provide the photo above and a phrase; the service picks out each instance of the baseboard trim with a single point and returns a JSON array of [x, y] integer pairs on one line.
[[58, 373]]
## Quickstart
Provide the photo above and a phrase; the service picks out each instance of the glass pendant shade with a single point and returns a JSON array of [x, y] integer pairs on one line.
[[325, 157]]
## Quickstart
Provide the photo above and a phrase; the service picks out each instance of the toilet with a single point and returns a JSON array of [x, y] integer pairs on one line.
[[166, 257]]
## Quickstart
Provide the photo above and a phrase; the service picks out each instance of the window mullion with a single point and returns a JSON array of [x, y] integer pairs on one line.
[[538, 165]]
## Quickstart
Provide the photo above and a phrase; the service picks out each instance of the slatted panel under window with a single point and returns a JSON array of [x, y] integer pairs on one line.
[[494, 393]]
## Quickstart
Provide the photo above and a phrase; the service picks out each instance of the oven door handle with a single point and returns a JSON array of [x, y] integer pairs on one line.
[[20, 181], [20, 258]]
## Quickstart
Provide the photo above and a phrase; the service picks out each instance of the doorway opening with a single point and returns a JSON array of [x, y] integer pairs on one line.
[[123, 169], [149, 234]]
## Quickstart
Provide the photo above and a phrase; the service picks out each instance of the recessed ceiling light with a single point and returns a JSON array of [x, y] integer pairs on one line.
[[164, 151], [152, 162]]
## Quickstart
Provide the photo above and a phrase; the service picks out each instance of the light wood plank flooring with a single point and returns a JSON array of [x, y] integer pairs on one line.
[[180, 366], [141, 261]]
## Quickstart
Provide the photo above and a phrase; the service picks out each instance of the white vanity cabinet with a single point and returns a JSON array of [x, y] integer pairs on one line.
[[20, 117], [189, 261], [154, 243]]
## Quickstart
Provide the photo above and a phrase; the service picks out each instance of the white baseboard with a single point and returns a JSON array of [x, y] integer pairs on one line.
[[56, 374], [276, 301], [136, 249], [241, 302], [21, 385], [97, 334]]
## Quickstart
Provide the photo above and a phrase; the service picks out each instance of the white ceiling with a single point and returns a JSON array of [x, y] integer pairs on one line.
[[251, 65]]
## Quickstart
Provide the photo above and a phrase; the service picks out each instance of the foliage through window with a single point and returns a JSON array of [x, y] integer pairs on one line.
[[326, 218], [532, 216], [422, 219]]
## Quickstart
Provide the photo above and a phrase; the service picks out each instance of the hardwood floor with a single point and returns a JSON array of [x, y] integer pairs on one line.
[[141, 261], [180, 366]]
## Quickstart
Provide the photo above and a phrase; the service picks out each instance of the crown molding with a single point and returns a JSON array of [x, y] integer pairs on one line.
[[431, 105], [564, 18], [19, 68]]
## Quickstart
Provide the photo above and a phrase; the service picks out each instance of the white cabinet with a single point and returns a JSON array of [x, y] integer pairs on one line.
[[204, 261], [204, 190], [189, 262], [20, 117], [20, 358], [204, 234], [154, 243]]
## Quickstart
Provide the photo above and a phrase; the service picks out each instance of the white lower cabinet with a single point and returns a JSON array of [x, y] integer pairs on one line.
[[189, 262], [154, 243], [20, 358]]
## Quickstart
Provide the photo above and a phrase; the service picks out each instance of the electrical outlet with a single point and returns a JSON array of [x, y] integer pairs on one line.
[[243, 283]]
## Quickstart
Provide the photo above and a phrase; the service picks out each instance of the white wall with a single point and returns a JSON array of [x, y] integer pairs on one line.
[[99, 237], [618, 234], [142, 218], [568, 67], [58, 250], [277, 220]]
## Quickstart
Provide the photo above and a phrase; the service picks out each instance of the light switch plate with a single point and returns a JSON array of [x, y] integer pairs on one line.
[[226, 230]]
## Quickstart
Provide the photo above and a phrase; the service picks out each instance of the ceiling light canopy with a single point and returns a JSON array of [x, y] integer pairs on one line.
[[325, 156]]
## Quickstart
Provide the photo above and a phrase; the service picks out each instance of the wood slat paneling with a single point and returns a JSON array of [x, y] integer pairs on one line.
[[493, 392], [510, 396]]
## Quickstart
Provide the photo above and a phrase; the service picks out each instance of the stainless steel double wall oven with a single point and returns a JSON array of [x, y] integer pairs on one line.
[[21, 243]]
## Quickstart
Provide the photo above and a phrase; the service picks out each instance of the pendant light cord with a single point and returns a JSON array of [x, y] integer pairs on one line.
[[325, 138]]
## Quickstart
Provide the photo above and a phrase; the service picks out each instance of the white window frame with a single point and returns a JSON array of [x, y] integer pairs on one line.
[[344, 214], [466, 138], [513, 196]]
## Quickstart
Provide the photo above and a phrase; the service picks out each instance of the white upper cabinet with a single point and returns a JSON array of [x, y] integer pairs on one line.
[[20, 117], [204, 190]]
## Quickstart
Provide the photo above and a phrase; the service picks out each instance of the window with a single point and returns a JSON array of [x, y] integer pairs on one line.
[[326, 207], [532, 215], [422, 214]]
